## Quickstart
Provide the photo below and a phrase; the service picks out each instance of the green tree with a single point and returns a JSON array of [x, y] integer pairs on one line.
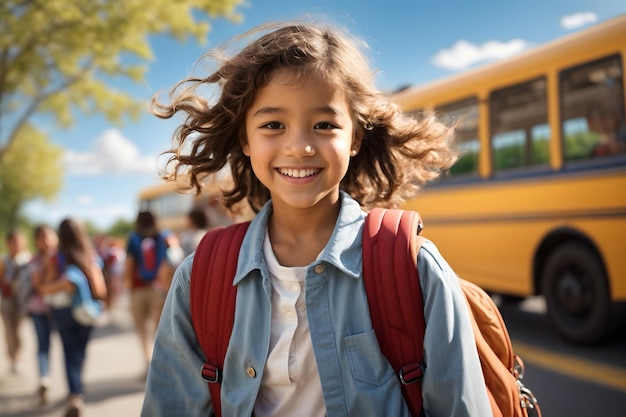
[[58, 58], [92, 229], [31, 167], [121, 228]]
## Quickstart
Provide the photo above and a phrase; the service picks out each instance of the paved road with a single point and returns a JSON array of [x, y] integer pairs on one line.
[[113, 374]]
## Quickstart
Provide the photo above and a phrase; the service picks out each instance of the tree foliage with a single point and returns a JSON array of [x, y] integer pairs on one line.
[[121, 228], [56, 56], [58, 59], [31, 167]]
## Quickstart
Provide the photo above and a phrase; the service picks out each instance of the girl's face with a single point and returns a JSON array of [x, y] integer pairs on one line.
[[16, 244], [46, 240], [300, 137]]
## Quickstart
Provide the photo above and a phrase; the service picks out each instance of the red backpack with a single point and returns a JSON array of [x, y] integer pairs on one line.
[[390, 243]]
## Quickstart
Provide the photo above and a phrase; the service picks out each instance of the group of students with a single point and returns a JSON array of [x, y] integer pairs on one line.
[[45, 286]]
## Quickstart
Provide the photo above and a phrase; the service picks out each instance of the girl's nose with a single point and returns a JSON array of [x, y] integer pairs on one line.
[[301, 144]]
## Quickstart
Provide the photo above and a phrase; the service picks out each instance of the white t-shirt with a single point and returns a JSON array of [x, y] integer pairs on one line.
[[290, 382]]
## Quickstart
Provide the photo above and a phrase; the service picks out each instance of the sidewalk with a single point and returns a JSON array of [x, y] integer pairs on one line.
[[113, 373]]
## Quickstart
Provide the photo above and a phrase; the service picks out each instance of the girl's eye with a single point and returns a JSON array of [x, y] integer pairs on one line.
[[324, 125], [273, 125]]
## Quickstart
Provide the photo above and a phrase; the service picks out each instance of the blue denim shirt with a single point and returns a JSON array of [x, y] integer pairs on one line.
[[356, 378]]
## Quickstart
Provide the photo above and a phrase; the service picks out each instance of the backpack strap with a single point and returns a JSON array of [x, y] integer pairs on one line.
[[213, 298], [390, 248]]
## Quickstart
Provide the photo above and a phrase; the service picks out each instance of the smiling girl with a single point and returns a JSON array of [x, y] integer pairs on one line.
[[311, 144]]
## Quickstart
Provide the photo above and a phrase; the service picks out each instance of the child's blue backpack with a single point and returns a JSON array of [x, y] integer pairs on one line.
[[150, 251]]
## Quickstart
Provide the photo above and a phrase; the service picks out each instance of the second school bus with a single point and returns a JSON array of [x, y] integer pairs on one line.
[[537, 202]]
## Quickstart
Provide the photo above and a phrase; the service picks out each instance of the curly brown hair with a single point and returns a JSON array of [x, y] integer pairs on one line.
[[398, 153]]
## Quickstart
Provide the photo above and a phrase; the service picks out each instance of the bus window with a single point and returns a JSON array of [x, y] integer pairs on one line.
[[593, 110], [464, 113], [540, 144], [168, 204], [519, 126]]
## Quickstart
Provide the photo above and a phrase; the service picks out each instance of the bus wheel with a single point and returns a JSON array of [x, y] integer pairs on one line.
[[577, 295]]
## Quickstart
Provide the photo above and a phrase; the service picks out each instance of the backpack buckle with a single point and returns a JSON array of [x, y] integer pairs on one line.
[[409, 374], [211, 373]]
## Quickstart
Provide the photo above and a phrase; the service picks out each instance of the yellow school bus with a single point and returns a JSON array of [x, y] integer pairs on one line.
[[537, 202], [169, 206], [170, 202]]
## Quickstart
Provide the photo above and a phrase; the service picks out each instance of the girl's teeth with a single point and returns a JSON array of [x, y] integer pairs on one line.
[[297, 173]]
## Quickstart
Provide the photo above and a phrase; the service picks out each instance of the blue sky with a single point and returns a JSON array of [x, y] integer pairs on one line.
[[411, 42]]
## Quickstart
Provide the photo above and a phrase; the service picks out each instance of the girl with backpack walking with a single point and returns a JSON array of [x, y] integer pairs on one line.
[[74, 274], [310, 143]]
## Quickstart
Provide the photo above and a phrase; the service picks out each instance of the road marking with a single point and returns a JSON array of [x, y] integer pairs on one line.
[[573, 366]]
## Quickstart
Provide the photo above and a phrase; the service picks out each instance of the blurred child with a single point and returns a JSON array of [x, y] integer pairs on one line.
[[173, 258], [113, 257], [46, 242], [198, 224], [146, 252], [13, 268]]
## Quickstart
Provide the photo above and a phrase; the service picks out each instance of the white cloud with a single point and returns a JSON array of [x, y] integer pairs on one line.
[[112, 154], [102, 216], [464, 54], [84, 200], [576, 20]]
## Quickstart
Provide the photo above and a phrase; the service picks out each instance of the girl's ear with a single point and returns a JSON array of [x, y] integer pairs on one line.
[[246, 149], [356, 142]]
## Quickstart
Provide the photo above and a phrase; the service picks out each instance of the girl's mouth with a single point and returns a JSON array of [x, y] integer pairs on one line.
[[298, 173]]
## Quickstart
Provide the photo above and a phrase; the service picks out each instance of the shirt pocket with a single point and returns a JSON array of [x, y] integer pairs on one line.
[[367, 362]]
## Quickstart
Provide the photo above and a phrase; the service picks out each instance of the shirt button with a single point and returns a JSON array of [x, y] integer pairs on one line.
[[290, 315], [319, 269], [295, 287], [251, 372]]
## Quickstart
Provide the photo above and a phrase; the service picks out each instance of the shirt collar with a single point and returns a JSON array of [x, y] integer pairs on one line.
[[343, 249]]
